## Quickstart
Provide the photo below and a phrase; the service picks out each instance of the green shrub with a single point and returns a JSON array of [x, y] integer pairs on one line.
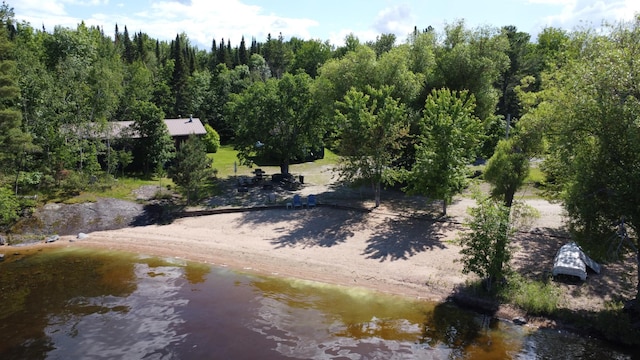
[[535, 297], [9, 207], [211, 139]]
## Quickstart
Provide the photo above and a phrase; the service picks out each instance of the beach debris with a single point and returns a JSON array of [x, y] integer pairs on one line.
[[52, 238], [82, 236]]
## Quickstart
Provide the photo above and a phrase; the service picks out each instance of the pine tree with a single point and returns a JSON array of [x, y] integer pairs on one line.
[[213, 57], [230, 63], [243, 57], [128, 47], [140, 50], [191, 167], [222, 53], [254, 46], [179, 78]]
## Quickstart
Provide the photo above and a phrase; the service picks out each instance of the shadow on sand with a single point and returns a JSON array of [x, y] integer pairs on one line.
[[399, 239], [337, 225]]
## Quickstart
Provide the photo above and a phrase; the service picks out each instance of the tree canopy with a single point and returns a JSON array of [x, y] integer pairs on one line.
[[449, 137], [371, 125], [277, 119], [423, 108]]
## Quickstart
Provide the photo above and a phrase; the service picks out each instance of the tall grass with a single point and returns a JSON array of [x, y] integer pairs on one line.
[[533, 296]]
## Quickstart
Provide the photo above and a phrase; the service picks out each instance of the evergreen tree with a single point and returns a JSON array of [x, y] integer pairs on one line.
[[179, 79], [223, 55], [243, 57], [254, 46], [116, 37], [129, 54], [191, 167], [213, 57], [140, 50], [157, 50], [230, 56], [14, 143]]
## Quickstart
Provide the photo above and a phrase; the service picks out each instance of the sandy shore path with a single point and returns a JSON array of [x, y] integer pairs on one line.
[[377, 250]]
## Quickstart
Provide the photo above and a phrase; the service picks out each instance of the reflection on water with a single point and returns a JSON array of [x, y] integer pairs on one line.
[[75, 303]]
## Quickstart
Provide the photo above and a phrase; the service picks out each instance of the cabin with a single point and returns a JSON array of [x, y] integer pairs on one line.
[[179, 129]]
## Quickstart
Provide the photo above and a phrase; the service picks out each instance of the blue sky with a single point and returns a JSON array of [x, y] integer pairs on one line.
[[205, 20]]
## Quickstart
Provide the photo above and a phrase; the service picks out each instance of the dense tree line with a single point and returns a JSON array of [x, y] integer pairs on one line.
[[411, 111]]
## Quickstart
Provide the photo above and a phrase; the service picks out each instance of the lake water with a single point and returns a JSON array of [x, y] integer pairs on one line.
[[74, 303]]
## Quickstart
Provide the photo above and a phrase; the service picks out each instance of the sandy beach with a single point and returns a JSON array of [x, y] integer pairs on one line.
[[383, 249], [396, 248]]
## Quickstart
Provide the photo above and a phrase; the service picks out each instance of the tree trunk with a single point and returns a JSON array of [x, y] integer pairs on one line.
[[284, 168], [444, 207], [508, 197], [377, 193]]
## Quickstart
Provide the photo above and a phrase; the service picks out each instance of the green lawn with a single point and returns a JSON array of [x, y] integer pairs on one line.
[[224, 159]]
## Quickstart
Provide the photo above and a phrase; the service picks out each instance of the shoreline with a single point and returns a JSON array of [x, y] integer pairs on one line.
[[385, 249], [336, 246]]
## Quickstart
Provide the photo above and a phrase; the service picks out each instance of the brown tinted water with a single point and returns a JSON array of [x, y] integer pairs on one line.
[[72, 303]]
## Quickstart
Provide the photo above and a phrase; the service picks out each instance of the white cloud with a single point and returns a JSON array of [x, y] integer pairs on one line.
[[397, 20], [54, 8], [591, 13], [204, 21]]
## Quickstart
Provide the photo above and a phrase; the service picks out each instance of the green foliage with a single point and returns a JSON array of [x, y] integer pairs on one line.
[[534, 297], [485, 247], [278, 116], [473, 61], [155, 146], [191, 167], [310, 56], [591, 108], [9, 207], [506, 170], [448, 138], [370, 126], [211, 139], [361, 68]]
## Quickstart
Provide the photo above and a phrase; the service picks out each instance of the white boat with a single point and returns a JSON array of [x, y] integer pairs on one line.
[[571, 260]]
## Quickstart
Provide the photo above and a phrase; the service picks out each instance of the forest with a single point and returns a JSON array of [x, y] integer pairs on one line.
[[411, 112]]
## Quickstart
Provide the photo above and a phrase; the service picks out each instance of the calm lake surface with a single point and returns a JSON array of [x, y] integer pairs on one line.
[[74, 303]]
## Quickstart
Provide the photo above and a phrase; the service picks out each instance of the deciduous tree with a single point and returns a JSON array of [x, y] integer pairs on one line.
[[371, 124], [449, 137], [485, 247], [155, 146], [280, 117]]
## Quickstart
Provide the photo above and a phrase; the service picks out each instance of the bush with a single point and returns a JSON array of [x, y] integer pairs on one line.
[[211, 139], [9, 207], [485, 249], [535, 297]]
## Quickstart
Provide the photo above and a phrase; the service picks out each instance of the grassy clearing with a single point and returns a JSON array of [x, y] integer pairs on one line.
[[536, 176], [226, 157]]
